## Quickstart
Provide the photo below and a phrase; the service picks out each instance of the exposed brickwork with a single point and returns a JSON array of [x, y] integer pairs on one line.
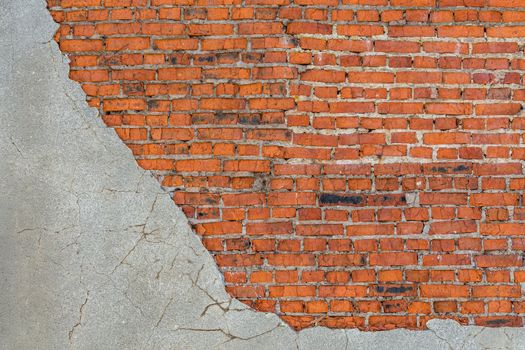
[[352, 163]]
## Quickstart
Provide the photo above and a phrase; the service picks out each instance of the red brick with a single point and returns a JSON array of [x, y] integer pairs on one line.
[[296, 155]]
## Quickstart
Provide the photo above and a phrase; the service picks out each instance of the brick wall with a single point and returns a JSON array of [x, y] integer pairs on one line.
[[348, 163]]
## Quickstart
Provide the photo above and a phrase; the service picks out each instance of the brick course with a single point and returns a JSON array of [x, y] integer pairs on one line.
[[348, 163]]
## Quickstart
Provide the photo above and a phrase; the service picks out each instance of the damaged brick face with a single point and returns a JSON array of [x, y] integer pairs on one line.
[[348, 163]]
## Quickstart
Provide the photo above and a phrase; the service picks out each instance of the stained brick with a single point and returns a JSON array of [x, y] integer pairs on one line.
[[333, 161]]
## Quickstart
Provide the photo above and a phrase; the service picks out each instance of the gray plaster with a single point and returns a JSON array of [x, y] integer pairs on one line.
[[94, 255]]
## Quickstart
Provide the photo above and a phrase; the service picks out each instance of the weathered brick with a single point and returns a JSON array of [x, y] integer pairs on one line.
[[305, 137]]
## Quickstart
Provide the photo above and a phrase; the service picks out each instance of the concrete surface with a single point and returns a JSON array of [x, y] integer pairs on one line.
[[94, 255]]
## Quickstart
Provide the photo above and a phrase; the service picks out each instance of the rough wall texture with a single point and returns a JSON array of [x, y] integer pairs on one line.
[[354, 163], [94, 255]]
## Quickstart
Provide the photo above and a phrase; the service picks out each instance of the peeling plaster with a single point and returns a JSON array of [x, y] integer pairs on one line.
[[94, 255]]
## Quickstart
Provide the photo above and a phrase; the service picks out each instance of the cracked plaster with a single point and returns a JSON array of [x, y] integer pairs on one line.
[[94, 255]]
